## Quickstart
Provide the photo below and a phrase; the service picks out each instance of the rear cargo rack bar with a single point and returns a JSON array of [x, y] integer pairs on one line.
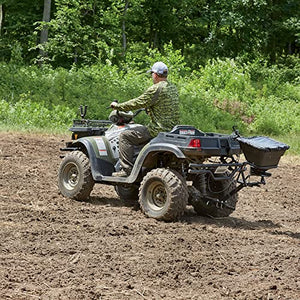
[[234, 169], [209, 168], [213, 166]]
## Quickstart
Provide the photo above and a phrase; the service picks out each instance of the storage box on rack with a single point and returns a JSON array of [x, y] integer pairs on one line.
[[262, 151]]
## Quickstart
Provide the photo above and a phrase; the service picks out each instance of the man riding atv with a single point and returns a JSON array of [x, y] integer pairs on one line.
[[162, 105], [165, 165]]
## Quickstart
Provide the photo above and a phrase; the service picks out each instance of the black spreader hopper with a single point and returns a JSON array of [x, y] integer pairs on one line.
[[263, 152]]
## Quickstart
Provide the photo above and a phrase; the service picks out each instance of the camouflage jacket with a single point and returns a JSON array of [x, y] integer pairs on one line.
[[162, 104]]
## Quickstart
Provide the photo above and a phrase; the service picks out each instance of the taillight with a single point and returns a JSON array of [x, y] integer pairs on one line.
[[195, 143]]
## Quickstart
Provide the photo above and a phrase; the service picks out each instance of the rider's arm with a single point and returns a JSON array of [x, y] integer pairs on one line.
[[143, 101]]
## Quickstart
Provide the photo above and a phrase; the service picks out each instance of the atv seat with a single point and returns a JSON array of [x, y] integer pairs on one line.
[[187, 130]]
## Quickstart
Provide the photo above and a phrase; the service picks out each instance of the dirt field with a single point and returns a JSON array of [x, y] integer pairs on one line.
[[56, 248]]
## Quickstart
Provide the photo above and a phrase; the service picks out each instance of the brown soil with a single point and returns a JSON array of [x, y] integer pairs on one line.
[[56, 248]]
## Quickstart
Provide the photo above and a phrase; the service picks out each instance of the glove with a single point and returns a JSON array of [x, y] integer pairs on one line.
[[113, 104]]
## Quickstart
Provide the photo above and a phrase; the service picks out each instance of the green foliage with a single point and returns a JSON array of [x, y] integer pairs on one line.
[[276, 116], [82, 32], [86, 32], [293, 140], [17, 34], [28, 115], [234, 62], [257, 98]]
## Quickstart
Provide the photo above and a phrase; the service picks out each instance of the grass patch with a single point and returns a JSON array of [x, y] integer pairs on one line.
[[292, 140], [258, 99]]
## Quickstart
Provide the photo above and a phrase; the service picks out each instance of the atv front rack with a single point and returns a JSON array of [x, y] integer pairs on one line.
[[90, 123], [85, 127]]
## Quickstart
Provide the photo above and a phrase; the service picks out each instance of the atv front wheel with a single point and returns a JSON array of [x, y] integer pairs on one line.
[[75, 180], [163, 195], [215, 189]]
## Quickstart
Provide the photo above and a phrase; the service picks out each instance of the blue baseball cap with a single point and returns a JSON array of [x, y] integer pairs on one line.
[[159, 68]]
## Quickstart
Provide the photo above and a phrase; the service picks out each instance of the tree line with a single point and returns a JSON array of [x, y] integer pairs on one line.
[[83, 32]]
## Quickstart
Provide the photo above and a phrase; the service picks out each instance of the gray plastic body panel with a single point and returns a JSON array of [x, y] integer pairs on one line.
[[148, 149], [212, 144]]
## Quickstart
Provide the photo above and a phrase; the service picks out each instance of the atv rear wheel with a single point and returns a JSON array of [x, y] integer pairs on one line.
[[127, 192], [163, 195], [75, 180], [215, 189]]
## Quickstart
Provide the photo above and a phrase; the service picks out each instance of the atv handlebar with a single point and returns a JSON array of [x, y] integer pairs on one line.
[[138, 112], [134, 114], [121, 117]]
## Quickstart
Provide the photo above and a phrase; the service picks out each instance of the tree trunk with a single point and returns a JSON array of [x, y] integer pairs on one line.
[[1, 18], [44, 32], [124, 28]]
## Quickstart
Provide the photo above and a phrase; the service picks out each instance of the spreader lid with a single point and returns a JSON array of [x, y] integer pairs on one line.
[[263, 143]]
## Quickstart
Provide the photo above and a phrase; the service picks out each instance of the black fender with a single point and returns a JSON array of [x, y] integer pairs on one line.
[[99, 166], [102, 168], [149, 149], [152, 149]]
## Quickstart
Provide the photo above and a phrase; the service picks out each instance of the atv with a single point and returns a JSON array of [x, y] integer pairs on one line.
[[176, 168]]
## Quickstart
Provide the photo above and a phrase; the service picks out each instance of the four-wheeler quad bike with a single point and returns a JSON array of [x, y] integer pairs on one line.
[[176, 168]]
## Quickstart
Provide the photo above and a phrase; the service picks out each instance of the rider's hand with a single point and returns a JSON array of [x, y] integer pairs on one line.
[[113, 104]]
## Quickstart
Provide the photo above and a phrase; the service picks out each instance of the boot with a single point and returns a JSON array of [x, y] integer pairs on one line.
[[121, 173]]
